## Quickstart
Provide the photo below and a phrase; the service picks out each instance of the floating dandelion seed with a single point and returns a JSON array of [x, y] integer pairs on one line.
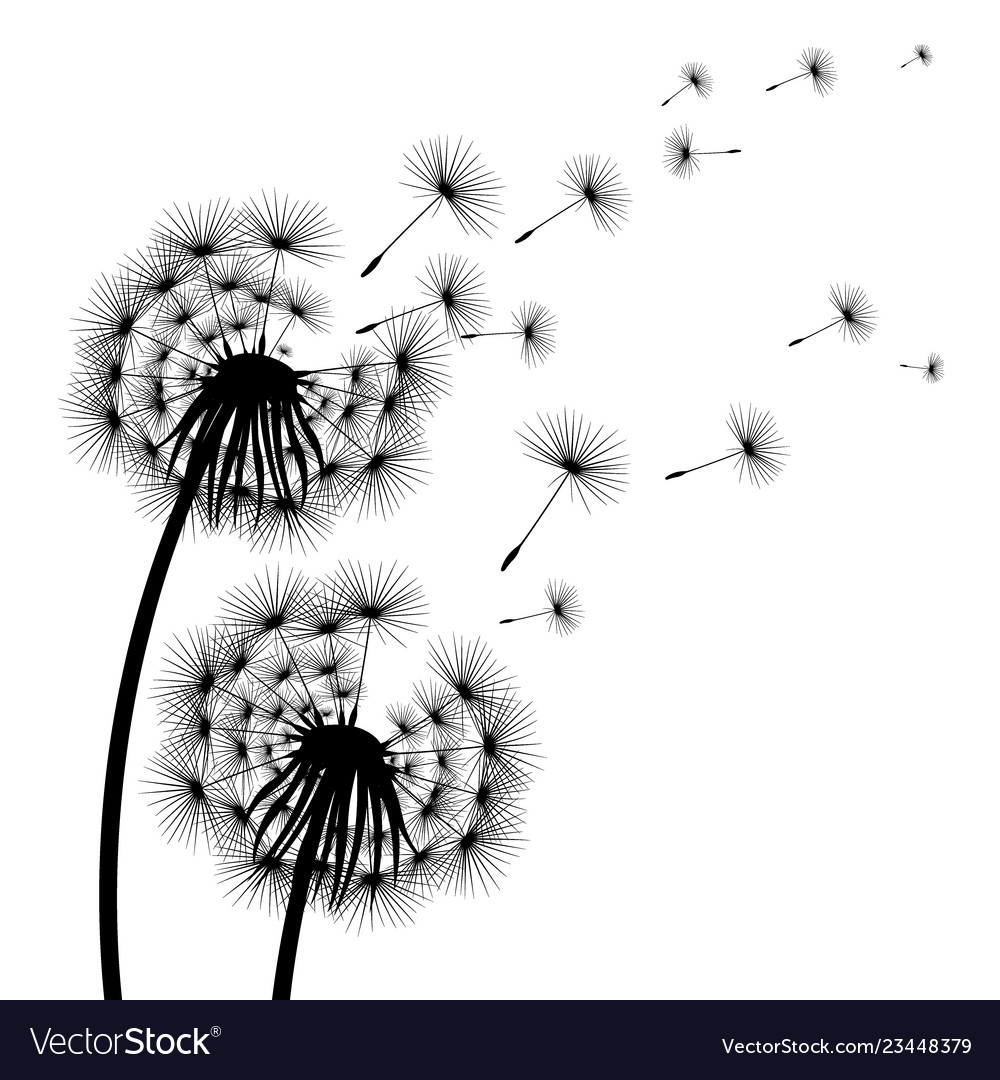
[[681, 158], [453, 178], [585, 458], [760, 450], [455, 287], [817, 66], [921, 53], [534, 326], [694, 76], [184, 387], [933, 370], [855, 316], [303, 806], [591, 182], [562, 611]]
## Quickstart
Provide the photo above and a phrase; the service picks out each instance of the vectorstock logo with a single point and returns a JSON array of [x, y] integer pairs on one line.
[[136, 1041]]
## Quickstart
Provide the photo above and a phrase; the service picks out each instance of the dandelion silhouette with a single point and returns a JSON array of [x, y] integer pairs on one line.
[[921, 53], [596, 184], [301, 804], [759, 452], [536, 329], [183, 386], [451, 177], [455, 288], [584, 458], [933, 370], [694, 76], [817, 65], [681, 158], [562, 610], [855, 316]]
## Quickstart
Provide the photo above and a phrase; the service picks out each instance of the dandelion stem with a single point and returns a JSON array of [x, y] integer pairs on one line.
[[305, 860], [492, 333], [521, 618], [706, 152], [672, 96], [513, 554], [524, 236], [684, 472], [909, 62], [799, 340], [389, 318], [114, 779], [792, 79], [916, 367], [378, 258]]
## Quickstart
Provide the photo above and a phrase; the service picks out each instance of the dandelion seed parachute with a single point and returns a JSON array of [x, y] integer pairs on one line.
[[933, 370], [586, 459], [695, 77], [817, 67], [535, 328], [562, 610], [759, 452], [455, 288], [595, 184], [681, 158], [855, 315], [449, 175], [921, 53]]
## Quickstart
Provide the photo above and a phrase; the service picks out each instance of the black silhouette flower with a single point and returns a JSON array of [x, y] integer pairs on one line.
[[586, 458], [449, 177], [759, 450], [562, 610], [304, 806], [593, 183], [184, 386]]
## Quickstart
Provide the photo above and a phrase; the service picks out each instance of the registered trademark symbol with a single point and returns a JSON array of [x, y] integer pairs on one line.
[[216, 1030]]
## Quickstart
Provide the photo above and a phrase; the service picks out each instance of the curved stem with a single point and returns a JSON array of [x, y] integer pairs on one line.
[[114, 779], [305, 860], [684, 472]]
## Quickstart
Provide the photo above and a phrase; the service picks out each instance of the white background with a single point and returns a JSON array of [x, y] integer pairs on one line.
[[771, 748]]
